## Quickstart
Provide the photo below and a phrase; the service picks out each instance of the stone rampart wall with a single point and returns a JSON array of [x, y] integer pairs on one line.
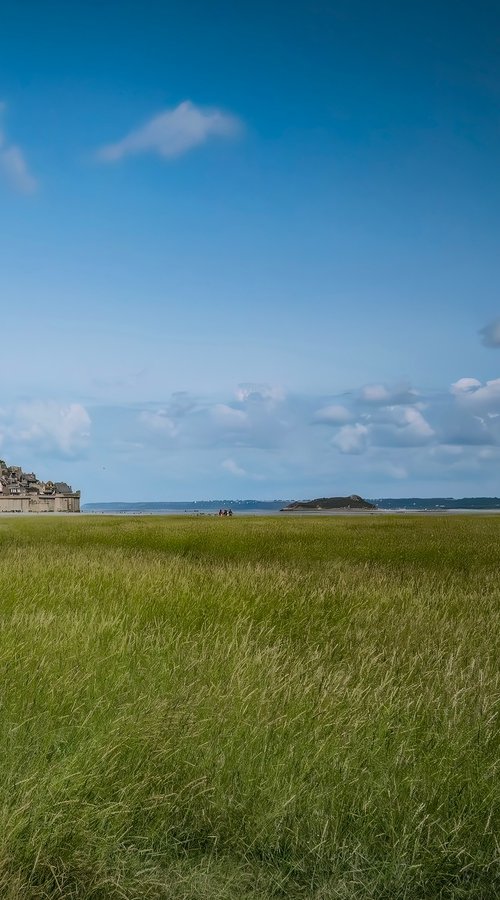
[[23, 504]]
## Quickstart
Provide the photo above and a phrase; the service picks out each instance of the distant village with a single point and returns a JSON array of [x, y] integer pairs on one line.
[[23, 492]]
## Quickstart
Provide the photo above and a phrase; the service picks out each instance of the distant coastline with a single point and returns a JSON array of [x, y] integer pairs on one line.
[[387, 504]]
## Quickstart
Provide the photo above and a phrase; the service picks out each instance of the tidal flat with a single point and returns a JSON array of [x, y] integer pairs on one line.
[[249, 708]]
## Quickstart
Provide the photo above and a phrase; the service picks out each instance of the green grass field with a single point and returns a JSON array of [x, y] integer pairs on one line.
[[249, 708]]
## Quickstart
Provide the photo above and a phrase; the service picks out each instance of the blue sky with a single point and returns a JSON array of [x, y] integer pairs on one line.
[[251, 250]]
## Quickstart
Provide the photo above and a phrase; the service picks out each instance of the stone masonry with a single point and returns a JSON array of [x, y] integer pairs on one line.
[[23, 492]]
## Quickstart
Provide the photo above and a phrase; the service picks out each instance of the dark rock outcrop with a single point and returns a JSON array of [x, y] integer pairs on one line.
[[352, 502]]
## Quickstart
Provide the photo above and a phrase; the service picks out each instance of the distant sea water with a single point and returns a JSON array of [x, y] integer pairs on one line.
[[261, 507]]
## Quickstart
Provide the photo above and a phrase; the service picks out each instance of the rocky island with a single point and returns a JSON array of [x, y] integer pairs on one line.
[[352, 502]]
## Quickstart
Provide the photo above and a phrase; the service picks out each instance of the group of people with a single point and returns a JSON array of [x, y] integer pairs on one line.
[[225, 512]]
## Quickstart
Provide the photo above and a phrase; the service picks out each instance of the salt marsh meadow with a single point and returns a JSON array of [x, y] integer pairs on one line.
[[253, 708]]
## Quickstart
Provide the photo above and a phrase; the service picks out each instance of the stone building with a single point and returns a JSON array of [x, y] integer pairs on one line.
[[23, 492]]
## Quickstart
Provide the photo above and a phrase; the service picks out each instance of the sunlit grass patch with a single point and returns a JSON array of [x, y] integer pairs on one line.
[[197, 708]]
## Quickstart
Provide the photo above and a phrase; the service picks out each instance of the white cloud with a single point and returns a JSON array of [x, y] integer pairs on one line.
[[47, 427], [490, 334], [474, 395], [256, 433], [202, 423], [472, 419], [352, 438], [13, 164], [464, 386], [227, 417], [160, 422], [389, 426], [173, 132], [233, 468], [401, 425], [335, 414], [413, 420], [379, 394]]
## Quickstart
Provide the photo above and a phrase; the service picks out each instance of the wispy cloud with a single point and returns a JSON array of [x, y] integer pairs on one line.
[[13, 165], [173, 132], [490, 334]]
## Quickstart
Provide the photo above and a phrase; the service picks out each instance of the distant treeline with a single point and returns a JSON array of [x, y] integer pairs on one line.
[[439, 503]]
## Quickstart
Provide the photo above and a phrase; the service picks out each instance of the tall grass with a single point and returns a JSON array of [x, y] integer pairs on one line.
[[249, 708]]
